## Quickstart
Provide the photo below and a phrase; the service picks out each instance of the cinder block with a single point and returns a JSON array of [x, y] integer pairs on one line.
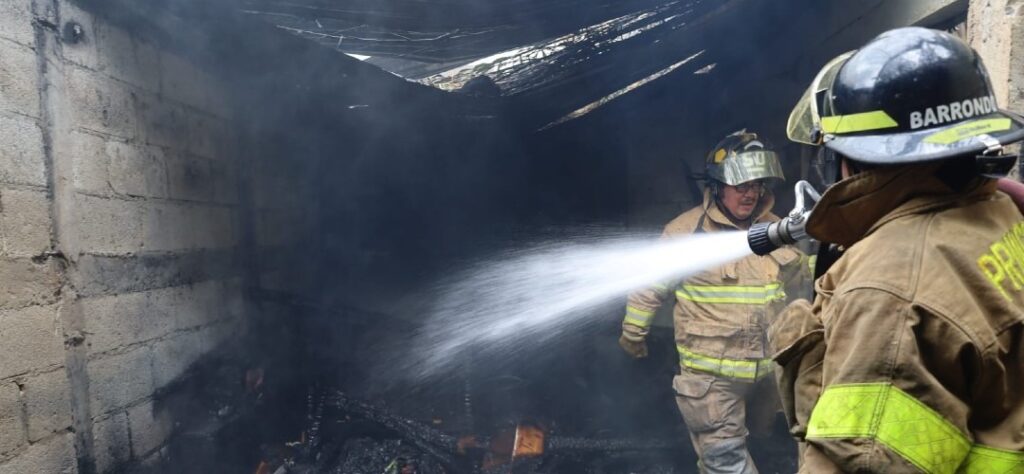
[[137, 170], [12, 428], [174, 226], [170, 226], [26, 283], [147, 56], [53, 455], [19, 79], [173, 356], [108, 275], [150, 428], [48, 402], [209, 137], [16, 21], [119, 380], [118, 320], [111, 226], [189, 306], [163, 123], [89, 163], [112, 444], [24, 221], [182, 81], [120, 56], [21, 156], [189, 178], [116, 53], [31, 339], [101, 104]]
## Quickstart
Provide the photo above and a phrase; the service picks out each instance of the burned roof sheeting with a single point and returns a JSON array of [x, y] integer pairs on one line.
[[531, 45], [440, 30]]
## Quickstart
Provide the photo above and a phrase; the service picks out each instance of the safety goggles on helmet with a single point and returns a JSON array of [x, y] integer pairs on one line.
[[804, 124]]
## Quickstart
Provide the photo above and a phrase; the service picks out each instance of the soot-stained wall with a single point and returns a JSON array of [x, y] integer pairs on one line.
[[120, 236]]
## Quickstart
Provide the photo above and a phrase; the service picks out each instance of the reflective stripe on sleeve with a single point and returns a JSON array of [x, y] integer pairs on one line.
[[732, 368], [888, 415], [638, 317], [732, 294], [986, 460]]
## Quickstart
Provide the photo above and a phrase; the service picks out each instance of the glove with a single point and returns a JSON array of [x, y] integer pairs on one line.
[[635, 348]]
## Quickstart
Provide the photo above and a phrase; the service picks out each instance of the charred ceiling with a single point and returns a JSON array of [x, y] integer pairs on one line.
[[557, 61], [548, 61], [440, 30]]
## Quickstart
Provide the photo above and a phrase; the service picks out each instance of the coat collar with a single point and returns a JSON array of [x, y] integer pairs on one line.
[[854, 207]]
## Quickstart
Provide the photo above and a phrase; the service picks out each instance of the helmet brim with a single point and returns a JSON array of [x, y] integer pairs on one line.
[[748, 166], [963, 138]]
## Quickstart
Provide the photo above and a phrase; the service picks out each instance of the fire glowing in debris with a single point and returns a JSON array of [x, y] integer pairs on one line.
[[532, 296]]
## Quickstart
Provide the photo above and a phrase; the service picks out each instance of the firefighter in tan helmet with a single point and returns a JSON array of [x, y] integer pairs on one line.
[[911, 357], [722, 314]]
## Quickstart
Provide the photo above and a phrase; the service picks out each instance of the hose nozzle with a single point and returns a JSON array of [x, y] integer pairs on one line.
[[765, 237]]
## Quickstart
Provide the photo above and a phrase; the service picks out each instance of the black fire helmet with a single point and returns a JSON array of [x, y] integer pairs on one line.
[[910, 95]]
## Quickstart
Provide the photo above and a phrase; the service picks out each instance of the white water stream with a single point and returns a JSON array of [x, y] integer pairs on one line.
[[526, 298]]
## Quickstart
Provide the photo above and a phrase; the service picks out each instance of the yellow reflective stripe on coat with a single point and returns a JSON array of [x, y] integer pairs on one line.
[[987, 460], [862, 122], [888, 415], [638, 317], [736, 294], [733, 368]]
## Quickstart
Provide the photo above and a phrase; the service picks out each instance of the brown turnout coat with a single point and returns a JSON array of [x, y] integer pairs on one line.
[[911, 358], [721, 315]]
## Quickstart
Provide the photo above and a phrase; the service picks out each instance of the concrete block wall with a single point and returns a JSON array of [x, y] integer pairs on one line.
[[35, 414], [119, 237], [995, 29], [284, 209]]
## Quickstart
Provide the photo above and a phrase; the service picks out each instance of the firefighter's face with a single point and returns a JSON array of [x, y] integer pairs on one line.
[[741, 200]]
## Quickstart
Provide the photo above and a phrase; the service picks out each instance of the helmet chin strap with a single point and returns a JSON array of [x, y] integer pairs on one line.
[[992, 163]]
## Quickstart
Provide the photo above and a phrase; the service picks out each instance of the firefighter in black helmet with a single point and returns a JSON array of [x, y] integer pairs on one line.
[[911, 357]]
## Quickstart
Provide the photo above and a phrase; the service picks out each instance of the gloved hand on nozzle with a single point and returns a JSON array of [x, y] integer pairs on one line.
[[635, 347]]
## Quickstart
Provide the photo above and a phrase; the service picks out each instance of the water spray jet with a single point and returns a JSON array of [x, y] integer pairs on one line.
[[539, 294]]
